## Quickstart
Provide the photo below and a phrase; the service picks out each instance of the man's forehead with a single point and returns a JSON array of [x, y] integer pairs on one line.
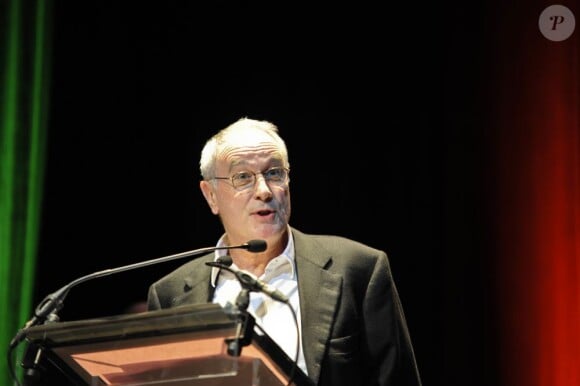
[[256, 152], [250, 146]]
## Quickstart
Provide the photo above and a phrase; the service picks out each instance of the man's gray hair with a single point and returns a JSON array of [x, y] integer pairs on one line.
[[212, 147]]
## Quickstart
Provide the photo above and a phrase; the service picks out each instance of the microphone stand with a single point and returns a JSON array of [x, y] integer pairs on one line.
[[249, 283], [46, 311], [239, 309], [245, 326]]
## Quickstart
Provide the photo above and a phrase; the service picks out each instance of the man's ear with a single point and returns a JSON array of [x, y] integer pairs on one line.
[[209, 194]]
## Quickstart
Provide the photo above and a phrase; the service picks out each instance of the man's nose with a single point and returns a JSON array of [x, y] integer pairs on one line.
[[262, 188]]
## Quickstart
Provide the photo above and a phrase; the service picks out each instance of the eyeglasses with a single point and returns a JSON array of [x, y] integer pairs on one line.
[[246, 179]]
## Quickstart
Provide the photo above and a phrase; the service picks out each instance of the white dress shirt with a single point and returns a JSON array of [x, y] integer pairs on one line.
[[272, 316]]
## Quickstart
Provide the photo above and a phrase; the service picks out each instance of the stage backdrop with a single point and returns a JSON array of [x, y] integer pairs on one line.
[[535, 177], [445, 134]]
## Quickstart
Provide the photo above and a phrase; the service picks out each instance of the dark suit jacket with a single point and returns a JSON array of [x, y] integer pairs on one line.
[[353, 326]]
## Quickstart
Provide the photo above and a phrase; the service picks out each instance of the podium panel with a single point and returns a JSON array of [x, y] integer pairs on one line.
[[189, 345]]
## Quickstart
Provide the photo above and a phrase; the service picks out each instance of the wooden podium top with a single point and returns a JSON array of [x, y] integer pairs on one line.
[[179, 346]]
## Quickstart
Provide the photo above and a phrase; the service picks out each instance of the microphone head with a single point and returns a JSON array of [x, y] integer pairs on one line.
[[225, 260], [222, 262], [256, 245]]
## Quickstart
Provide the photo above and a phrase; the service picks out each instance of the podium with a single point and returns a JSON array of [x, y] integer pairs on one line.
[[197, 345]]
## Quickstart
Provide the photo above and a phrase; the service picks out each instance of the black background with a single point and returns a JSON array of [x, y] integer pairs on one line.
[[383, 110]]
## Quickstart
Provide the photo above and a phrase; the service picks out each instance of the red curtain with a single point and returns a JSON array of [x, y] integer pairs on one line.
[[535, 179]]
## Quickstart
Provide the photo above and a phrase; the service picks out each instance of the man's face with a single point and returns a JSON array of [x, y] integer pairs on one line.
[[259, 211]]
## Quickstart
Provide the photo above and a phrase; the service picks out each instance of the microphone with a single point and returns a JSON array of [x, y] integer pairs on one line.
[[248, 280], [51, 304], [254, 246]]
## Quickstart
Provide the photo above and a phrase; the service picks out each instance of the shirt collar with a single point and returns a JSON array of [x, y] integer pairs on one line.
[[287, 254]]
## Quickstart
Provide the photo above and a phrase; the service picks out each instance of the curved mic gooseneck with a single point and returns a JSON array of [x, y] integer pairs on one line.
[[48, 308], [247, 280]]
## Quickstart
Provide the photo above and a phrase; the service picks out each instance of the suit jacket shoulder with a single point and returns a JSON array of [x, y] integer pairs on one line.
[[188, 284]]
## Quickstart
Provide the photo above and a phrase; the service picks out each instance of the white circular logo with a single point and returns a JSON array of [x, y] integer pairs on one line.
[[556, 23]]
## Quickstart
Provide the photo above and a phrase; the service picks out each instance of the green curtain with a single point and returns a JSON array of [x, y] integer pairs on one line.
[[24, 92]]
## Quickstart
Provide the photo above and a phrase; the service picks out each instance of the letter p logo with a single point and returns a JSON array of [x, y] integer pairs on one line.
[[556, 23]]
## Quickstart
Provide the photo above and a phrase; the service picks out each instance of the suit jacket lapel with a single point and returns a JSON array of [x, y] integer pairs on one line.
[[315, 282]]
